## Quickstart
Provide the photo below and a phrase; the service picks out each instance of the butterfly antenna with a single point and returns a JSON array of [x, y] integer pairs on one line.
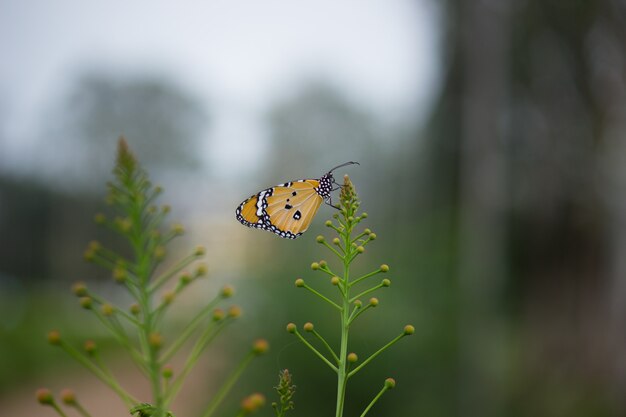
[[343, 165]]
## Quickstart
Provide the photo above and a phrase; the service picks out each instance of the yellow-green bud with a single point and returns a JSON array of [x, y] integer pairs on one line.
[[372, 236], [409, 330], [166, 209], [159, 252], [167, 371], [358, 303], [299, 283], [386, 282], [291, 328], [384, 268], [260, 346], [168, 297], [360, 249], [44, 396], [68, 396], [227, 291], [200, 251], [335, 280], [201, 270], [107, 309], [390, 383], [119, 274], [319, 239], [178, 229], [54, 337], [234, 311], [315, 266], [218, 314], [308, 326], [89, 255], [135, 309], [86, 302], [373, 301], [185, 278], [352, 357], [364, 215], [336, 241], [323, 264], [351, 219], [79, 289], [367, 231], [155, 340], [328, 223]]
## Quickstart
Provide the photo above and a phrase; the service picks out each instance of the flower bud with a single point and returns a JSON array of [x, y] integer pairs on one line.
[[308, 326], [352, 357], [336, 241], [107, 309], [358, 303], [119, 274], [218, 314], [166, 209], [167, 371], [315, 266], [178, 229], [68, 396], [79, 289], [299, 283], [320, 239], [185, 278], [135, 309], [54, 337], [360, 249], [409, 330], [351, 219], [372, 236], [291, 328], [155, 340], [201, 270], [373, 301], [168, 297], [200, 250], [390, 383], [90, 346], [252, 403], [234, 311], [323, 264], [159, 252], [227, 291], [328, 223], [86, 302], [384, 268], [335, 280], [386, 282], [44, 396], [364, 215], [260, 346]]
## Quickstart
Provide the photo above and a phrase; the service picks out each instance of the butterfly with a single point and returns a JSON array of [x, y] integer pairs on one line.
[[287, 209]]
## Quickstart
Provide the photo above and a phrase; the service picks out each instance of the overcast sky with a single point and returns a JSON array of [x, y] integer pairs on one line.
[[240, 56]]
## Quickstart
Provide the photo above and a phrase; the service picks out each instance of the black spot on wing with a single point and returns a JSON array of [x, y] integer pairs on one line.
[[297, 215], [288, 206]]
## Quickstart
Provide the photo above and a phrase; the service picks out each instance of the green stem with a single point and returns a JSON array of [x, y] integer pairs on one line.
[[332, 303], [81, 410], [342, 375], [56, 408], [371, 274], [378, 352], [332, 352], [317, 352], [371, 404], [172, 271], [218, 398], [366, 292]]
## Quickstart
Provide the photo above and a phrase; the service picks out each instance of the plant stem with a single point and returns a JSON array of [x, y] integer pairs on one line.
[[371, 404], [342, 371]]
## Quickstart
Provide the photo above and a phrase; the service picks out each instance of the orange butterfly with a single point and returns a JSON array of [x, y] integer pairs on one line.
[[288, 209]]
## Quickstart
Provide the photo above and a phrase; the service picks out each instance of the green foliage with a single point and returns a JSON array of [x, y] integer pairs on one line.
[[347, 247], [138, 328]]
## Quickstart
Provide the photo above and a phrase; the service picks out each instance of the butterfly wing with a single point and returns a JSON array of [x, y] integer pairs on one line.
[[286, 209], [292, 206]]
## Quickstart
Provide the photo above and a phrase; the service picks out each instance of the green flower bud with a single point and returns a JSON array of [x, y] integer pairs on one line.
[[299, 283], [373, 301], [308, 327], [178, 229], [155, 340], [291, 328], [201, 270], [234, 311], [364, 215], [44, 396], [54, 337], [200, 251], [372, 236], [227, 291], [185, 278], [319, 239], [409, 330], [360, 249], [68, 397], [86, 302], [218, 314], [135, 309], [384, 268], [79, 289], [252, 403], [386, 282], [358, 303], [315, 266], [168, 297], [336, 241], [323, 264], [352, 357], [335, 280], [90, 346], [390, 383], [119, 274], [167, 371], [107, 309], [328, 223]]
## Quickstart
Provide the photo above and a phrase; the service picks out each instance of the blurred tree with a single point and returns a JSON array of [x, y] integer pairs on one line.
[[163, 123], [530, 111]]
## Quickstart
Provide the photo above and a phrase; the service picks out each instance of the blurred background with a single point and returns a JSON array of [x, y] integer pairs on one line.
[[493, 168]]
